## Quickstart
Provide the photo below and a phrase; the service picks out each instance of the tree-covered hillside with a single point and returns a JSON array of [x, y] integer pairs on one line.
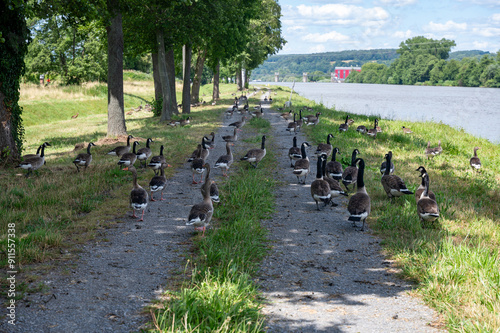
[[291, 67]]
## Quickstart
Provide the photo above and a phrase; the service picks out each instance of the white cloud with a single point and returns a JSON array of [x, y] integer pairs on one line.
[[496, 17], [487, 32], [318, 49], [398, 3], [448, 26], [480, 45], [332, 36], [403, 34], [296, 28], [341, 14]]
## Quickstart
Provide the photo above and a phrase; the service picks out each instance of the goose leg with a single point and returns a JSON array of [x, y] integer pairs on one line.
[[142, 216], [152, 199]]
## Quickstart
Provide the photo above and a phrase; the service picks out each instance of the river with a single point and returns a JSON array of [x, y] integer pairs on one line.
[[476, 110]]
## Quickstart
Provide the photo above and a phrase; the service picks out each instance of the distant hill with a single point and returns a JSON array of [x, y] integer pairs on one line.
[[296, 64]]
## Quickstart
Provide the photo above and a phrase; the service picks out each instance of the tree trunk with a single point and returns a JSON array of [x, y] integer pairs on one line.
[[116, 114], [239, 79], [8, 149], [215, 92], [156, 76], [186, 91], [195, 90], [165, 86], [170, 60]]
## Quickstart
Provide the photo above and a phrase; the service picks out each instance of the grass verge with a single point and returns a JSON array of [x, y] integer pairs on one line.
[[221, 296]]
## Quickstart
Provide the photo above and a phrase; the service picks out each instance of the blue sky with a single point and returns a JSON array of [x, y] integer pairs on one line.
[[321, 26]]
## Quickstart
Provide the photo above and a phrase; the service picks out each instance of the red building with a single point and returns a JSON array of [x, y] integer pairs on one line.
[[341, 73]]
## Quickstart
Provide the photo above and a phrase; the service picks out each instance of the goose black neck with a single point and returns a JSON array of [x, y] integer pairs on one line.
[[425, 180], [334, 154], [319, 170], [303, 150], [353, 158], [361, 172], [263, 145], [147, 142], [323, 167], [38, 150], [88, 149], [328, 138], [161, 150], [135, 144], [43, 151], [387, 164], [128, 140], [294, 142]]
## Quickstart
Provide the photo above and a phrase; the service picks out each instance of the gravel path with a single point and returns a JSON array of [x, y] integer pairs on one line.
[[322, 276]]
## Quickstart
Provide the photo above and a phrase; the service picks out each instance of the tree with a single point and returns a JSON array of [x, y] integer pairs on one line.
[[422, 45], [14, 37]]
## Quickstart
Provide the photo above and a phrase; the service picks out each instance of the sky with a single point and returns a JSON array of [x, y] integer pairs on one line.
[[317, 26]]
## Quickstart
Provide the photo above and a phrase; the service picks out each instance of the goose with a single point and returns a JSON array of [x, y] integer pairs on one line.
[[230, 112], [427, 208], [158, 182], [350, 174], [343, 127], [255, 155], [325, 148], [311, 117], [430, 152], [32, 163], [335, 189], [393, 185], [475, 162], [320, 189], [211, 143], [138, 195], [359, 205], [301, 167], [286, 115], [184, 122], [144, 153], [231, 138], [120, 150], [334, 168], [205, 146], [239, 124], [438, 150], [300, 122], [314, 120], [406, 130], [45, 144], [294, 152], [194, 154], [373, 131], [421, 188], [198, 166], [225, 161], [156, 161], [214, 192], [292, 126], [384, 165], [350, 121], [361, 129], [258, 114], [128, 159], [201, 213], [84, 159]]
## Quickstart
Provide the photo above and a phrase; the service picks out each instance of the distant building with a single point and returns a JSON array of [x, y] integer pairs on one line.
[[341, 73]]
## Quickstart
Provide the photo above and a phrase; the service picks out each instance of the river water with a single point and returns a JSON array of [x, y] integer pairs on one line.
[[476, 110]]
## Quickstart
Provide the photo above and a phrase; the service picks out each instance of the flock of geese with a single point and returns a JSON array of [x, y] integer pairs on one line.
[[324, 188]]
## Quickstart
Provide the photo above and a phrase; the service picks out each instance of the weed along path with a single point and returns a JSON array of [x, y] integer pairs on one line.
[[322, 275]]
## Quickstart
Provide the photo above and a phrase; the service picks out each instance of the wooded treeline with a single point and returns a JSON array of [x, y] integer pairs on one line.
[[90, 40], [419, 60]]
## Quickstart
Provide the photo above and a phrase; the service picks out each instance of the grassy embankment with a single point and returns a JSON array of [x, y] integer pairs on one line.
[[457, 264]]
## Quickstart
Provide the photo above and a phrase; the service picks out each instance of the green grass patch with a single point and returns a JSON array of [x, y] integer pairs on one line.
[[222, 297]]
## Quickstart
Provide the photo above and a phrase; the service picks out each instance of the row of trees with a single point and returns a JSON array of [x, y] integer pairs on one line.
[[83, 40], [425, 61]]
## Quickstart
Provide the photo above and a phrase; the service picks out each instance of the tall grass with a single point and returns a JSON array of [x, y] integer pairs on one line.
[[222, 297], [456, 265]]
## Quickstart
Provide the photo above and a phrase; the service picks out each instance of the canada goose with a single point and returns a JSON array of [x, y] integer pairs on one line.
[[393, 185], [311, 117], [84, 159], [286, 115], [301, 167], [225, 161], [128, 159], [34, 162], [158, 182], [144, 153], [475, 162], [120, 150], [138, 195], [255, 155], [343, 127], [239, 124], [421, 188], [334, 168], [314, 120], [350, 174], [335, 189], [184, 122], [198, 166], [325, 148], [258, 114], [294, 152], [292, 126], [373, 131], [300, 122], [359, 205], [231, 138], [320, 189], [406, 130], [431, 152], [350, 121], [362, 129], [427, 208], [230, 112], [211, 143], [45, 144], [384, 165], [156, 161], [438, 150], [201, 213]]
